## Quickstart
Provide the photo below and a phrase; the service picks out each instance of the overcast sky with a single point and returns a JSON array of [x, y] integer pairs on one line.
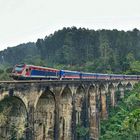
[[22, 21]]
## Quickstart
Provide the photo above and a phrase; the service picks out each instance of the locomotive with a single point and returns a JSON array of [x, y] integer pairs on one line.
[[32, 72]]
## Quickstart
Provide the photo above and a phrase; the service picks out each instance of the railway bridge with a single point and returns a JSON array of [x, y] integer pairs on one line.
[[58, 110]]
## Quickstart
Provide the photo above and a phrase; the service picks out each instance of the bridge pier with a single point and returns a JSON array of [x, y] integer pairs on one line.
[[93, 113], [104, 113], [113, 97], [30, 133]]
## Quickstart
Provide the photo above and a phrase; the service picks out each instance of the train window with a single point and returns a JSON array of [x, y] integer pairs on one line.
[[27, 70], [18, 69]]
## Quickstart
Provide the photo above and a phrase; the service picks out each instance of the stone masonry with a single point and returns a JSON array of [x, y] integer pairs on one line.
[[53, 110]]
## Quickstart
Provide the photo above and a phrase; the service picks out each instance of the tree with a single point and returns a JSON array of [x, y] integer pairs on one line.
[[125, 119]]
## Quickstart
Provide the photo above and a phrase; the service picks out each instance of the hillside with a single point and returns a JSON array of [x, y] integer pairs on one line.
[[107, 51], [18, 54]]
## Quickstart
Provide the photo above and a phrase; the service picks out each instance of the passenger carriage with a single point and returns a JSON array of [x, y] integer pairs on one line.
[[66, 74], [116, 76], [85, 75], [130, 77]]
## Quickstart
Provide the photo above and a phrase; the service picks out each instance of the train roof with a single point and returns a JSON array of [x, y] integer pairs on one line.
[[34, 66], [71, 71], [94, 73]]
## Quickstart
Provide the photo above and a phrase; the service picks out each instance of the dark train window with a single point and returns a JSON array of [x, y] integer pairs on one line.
[[27, 70]]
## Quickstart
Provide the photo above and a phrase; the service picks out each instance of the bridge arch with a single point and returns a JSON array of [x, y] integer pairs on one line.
[[128, 86], [45, 115], [120, 93], [65, 113], [15, 118], [111, 95], [21, 97], [120, 85], [111, 86]]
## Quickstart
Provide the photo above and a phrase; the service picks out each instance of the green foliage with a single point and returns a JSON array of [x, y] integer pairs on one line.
[[9, 69], [5, 76], [16, 128], [94, 51], [1, 71], [101, 51], [12, 56], [81, 130], [3, 115], [124, 121]]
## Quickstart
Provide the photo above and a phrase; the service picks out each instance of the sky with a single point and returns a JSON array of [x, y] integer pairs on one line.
[[22, 21]]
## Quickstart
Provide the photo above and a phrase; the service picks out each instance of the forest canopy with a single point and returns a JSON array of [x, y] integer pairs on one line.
[[105, 51]]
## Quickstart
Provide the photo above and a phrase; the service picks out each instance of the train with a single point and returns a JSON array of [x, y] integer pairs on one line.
[[32, 72]]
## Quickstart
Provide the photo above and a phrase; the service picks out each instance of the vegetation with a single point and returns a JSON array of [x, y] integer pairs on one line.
[[95, 51], [8, 113], [81, 130], [106, 51], [14, 55], [124, 120]]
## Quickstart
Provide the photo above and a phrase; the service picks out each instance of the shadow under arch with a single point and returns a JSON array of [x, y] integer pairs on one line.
[[120, 92], [111, 87], [110, 97], [80, 109], [79, 103], [129, 86], [44, 116], [99, 99], [101, 87], [15, 122], [66, 92], [44, 93], [65, 114], [120, 85]]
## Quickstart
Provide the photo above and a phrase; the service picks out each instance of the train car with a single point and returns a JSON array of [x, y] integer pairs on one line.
[[138, 77], [31, 72], [85, 75], [117, 76], [130, 77], [103, 76], [67, 74]]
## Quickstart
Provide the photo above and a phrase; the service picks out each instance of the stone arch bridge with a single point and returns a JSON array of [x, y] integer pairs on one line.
[[57, 110]]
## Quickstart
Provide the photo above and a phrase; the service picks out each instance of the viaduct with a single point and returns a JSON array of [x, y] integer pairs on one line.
[[58, 110]]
